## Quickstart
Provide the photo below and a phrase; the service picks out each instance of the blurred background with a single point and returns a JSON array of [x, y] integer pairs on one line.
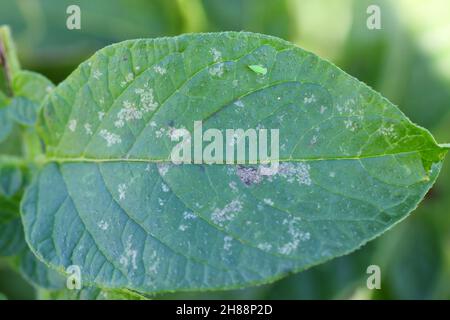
[[407, 60]]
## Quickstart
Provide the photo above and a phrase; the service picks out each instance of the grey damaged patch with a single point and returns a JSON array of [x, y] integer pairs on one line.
[[249, 175], [291, 172], [227, 213]]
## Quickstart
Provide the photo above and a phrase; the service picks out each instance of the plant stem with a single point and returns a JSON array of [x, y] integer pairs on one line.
[[9, 63]]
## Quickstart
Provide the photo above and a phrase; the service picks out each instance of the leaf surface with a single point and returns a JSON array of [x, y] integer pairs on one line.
[[109, 199]]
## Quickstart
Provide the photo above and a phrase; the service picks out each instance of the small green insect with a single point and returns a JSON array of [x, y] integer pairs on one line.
[[258, 69]]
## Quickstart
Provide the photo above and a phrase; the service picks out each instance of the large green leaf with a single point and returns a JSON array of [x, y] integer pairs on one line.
[[109, 200]]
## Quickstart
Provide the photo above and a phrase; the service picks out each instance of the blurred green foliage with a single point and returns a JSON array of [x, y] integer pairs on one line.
[[408, 61]]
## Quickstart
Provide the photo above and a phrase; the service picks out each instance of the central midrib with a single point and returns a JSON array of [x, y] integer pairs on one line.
[[150, 160]]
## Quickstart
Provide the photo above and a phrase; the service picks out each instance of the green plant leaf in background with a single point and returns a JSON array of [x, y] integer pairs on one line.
[[27, 91], [11, 234], [8, 64], [109, 200], [47, 46]]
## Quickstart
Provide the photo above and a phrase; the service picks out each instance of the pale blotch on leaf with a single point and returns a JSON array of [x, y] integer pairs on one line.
[[127, 113], [100, 115], [297, 236], [122, 188], [146, 98], [350, 125], [163, 168], [189, 215], [88, 129], [164, 187], [160, 70], [128, 78], [72, 125], [227, 243], [176, 133], [298, 171], [292, 172], [309, 99], [217, 70], [97, 74], [388, 131], [153, 267], [227, 213], [265, 246], [111, 138], [129, 255], [233, 186], [348, 108], [259, 69], [103, 225], [239, 104], [217, 55], [160, 132]]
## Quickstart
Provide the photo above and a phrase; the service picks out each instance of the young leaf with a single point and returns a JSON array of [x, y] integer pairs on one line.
[[11, 231], [109, 200], [23, 111]]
